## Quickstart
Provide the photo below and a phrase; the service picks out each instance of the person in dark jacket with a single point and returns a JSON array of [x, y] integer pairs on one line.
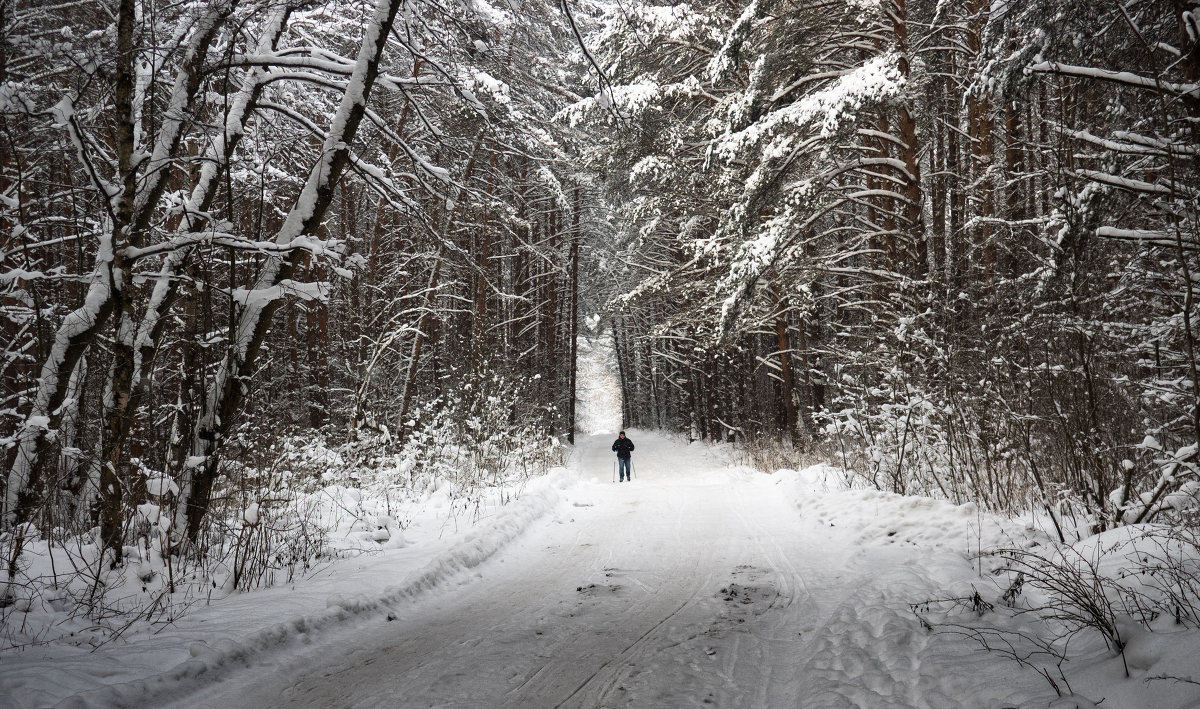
[[623, 446]]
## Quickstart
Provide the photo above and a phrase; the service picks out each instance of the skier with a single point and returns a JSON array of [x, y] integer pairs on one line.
[[623, 446]]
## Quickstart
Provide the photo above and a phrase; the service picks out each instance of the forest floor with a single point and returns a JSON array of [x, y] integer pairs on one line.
[[700, 583]]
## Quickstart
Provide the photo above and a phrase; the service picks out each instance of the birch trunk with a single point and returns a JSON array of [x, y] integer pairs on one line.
[[119, 401], [229, 387]]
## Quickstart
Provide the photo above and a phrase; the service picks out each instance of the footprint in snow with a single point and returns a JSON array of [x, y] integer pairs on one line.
[[592, 590]]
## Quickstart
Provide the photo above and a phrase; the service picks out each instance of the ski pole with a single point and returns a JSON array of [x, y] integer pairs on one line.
[[614, 471]]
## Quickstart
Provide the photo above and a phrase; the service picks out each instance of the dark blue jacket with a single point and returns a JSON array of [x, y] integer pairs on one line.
[[623, 447]]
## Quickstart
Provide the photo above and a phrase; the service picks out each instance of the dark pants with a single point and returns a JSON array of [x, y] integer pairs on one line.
[[623, 466]]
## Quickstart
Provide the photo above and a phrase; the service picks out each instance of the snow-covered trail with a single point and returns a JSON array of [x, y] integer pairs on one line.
[[694, 585]]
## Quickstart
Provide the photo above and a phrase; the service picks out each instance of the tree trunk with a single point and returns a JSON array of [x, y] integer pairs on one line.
[[917, 258], [786, 373], [617, 351], [574, 258]]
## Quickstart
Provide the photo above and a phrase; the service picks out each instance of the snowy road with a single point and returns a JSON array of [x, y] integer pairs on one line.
[[695, 585]]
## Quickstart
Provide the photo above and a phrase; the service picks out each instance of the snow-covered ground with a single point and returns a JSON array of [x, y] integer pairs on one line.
[[700, 583]]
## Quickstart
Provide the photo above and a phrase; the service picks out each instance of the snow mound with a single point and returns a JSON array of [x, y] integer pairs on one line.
[[875, 517]]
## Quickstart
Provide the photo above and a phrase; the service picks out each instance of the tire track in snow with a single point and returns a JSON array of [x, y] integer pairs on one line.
[[610, 684], [770, 662], [600, 686]]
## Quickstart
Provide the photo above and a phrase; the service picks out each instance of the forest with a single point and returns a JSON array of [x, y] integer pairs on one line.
[[950, 246]]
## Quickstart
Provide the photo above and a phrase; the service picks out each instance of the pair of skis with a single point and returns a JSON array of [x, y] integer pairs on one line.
[[615, 463]]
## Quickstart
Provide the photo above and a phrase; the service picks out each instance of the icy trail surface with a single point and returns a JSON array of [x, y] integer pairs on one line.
[[697, 584]]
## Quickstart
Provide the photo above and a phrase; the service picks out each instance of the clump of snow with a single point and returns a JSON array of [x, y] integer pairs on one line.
[[496, 88], [160, 484], [630, 100], [878, 79], [259, 297], [149, 512]]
